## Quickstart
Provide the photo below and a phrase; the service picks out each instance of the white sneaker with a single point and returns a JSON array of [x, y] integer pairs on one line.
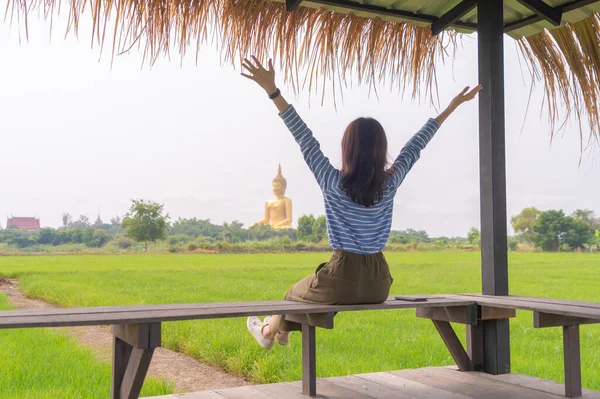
[[282, 339], [255, 327]]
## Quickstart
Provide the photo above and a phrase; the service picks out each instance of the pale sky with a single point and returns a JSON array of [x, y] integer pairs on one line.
[[78, 137]]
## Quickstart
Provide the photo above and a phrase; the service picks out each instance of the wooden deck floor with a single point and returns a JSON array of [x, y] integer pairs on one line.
[[429, 382]]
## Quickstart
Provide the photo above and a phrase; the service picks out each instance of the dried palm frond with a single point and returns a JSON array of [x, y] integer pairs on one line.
[[567, 59], [324, 45], [315, 45]]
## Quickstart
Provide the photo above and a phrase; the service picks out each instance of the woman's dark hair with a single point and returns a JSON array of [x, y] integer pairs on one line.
[[364, 161]]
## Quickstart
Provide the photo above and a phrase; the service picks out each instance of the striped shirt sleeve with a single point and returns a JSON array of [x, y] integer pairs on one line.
[[318, 163], [412, 151]]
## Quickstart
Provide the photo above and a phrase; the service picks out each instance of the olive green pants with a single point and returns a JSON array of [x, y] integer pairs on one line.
[[347, 279]]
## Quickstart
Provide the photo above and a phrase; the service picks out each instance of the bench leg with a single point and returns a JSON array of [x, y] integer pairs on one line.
[[133, 347], [572, 359], [454, 345], [309, 361], [475, 346]]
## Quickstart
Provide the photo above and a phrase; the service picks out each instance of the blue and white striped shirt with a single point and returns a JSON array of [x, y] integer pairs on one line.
[[350, 226]]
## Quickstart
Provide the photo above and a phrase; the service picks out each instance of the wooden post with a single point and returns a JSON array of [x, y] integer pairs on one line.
[[492, 160], [572, 361], [309, 361], [133, 347]]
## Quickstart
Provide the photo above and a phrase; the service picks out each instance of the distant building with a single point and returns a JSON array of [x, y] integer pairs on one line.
[[23, 223]]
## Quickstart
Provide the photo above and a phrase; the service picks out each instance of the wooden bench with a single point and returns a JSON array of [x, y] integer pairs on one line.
[[546, 313], [137, 329]]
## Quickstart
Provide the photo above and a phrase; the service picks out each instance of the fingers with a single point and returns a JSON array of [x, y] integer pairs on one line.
[[270, 65], [248, 65], [462, 93], [257, 63], [248, 76], [474, 92]]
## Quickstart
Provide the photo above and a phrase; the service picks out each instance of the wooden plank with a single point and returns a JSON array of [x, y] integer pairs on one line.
[[538, 384], [455, 314], [245, 392], [329, 390], [455, 14], [200, 395], [549, 13], [572, 359], [466, 383], [492, 313], [430, 377], [453, 344], [556, 301], [327, 319], [137, 368], [413, 389], [378, 11], [281, 390], [142, 336], [151, 316], [309, 360], [291, 5], [507, 302], [142, 308], [515, 299], [543, 320], [434, 300], [370, 388]]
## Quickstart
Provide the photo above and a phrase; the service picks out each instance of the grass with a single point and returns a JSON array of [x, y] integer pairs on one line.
[[361, 342], [38, 364]]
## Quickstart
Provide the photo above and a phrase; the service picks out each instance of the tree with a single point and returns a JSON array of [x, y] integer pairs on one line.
[[82, 223], [234, 231], [553, 230], [319, 229], [145, 222], [588, 217], [95, 238], [409, 236], [523, 223], [596, 240], [305, 227], [474, 237], [66, 220], [578, 234], [116, 221], [46, 235], [549, 228]]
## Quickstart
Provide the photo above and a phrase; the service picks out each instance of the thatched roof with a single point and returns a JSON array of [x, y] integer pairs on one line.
[[378, 43]]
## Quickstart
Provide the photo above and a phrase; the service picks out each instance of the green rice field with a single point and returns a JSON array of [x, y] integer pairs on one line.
[[361, 342]]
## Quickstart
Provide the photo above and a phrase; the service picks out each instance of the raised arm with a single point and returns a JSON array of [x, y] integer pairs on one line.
[[311, 150], [412, 150]]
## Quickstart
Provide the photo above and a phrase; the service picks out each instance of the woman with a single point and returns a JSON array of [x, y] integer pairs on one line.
[[358, 206]]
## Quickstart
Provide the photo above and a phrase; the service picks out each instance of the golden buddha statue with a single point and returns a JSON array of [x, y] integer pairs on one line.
[[278, 211]]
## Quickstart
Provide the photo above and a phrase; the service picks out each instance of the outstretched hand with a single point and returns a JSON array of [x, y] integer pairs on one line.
[[462, 97], [264, 77], [465, 96]]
